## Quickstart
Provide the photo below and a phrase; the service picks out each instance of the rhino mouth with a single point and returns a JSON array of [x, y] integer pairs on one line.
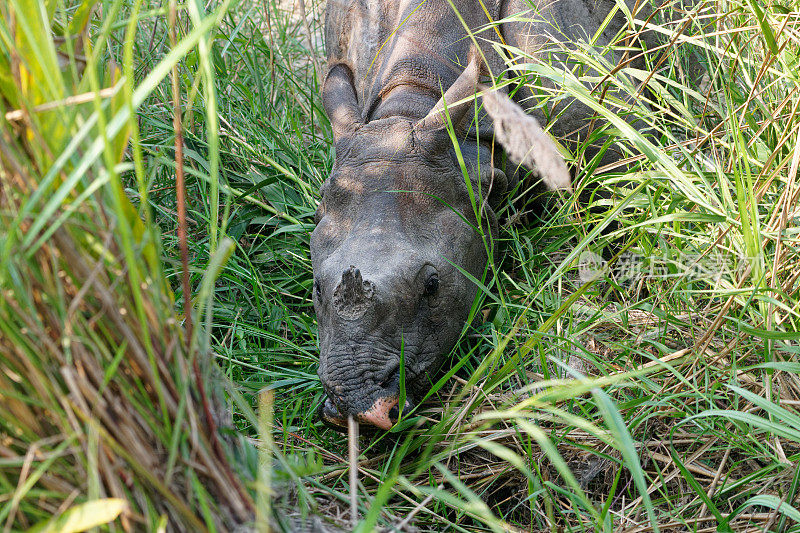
[[330, 415]]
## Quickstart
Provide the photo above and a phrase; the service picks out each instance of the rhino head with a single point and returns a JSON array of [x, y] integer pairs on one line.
[[396, 229]]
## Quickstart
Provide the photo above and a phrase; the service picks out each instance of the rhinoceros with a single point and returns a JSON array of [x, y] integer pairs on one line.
[[400, 222]]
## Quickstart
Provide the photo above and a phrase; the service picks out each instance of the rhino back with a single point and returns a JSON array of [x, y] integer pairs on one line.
[[405, 53], [542, 32]]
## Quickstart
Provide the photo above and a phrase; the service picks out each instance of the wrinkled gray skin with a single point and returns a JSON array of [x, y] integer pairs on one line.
[[391, 224]]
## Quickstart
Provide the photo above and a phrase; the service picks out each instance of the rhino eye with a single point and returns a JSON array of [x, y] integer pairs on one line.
[[432, 285]]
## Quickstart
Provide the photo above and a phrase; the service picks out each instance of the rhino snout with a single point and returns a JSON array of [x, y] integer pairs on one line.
[[371, 320], [383, 413]]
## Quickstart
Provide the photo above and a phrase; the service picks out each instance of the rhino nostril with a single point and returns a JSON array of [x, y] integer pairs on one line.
[[394, 412]]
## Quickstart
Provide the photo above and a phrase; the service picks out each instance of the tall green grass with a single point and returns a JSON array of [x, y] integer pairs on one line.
[[660, 395], [110, 413]]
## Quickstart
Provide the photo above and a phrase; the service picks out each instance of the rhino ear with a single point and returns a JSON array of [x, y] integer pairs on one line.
[[462, 88], [339, 100], [524, 140]]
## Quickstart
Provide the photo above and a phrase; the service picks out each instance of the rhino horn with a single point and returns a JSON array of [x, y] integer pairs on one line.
[[340, 102], [456, 100], [352, 295]]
